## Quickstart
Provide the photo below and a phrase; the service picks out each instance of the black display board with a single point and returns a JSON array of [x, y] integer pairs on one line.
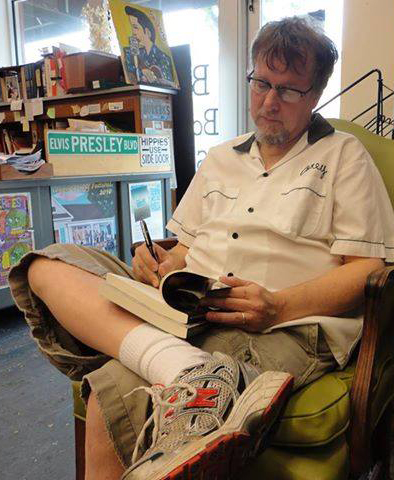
[[182, 108]]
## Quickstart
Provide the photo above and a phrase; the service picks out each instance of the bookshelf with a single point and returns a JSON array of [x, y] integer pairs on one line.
[[132, 108]]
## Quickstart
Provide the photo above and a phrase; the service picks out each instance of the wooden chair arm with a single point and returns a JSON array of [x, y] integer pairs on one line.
[[166, 243], [375, 364]]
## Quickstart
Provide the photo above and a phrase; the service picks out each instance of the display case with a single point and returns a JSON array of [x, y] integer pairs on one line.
[[90, 211]]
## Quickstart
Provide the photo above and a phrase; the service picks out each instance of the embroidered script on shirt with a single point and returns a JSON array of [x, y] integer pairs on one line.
[[317, 166]]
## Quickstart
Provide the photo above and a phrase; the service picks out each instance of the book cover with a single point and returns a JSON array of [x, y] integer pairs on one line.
[[12, 86], [146, 56]]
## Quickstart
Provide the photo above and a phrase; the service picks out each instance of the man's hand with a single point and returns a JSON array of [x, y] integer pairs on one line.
[[145, 267], [248, 306]]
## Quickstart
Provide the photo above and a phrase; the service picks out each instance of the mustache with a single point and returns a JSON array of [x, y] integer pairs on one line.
[[265, 114]]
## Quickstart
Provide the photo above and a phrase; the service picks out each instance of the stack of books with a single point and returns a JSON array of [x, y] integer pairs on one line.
[[174, 307]]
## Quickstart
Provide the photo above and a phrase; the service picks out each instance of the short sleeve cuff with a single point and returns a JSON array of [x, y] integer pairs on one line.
[[361, 248], [185, 235]]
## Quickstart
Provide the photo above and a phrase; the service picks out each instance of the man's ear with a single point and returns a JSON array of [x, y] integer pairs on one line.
[[316, 99]]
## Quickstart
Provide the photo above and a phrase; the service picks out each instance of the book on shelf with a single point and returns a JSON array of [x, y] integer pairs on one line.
[[12, 87], [174, 307]]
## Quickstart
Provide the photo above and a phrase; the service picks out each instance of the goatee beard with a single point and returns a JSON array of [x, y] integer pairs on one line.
[[273, 138]]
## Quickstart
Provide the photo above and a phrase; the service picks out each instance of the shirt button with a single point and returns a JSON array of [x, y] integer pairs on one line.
[[235, 235], [230, 274], [250, 209], [265, 174]]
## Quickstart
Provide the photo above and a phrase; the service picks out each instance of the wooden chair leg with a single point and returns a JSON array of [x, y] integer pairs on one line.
[[381, 442], [79, 426]]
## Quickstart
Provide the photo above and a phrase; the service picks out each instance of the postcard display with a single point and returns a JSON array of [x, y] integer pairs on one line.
[[85, 214], [16, 231]]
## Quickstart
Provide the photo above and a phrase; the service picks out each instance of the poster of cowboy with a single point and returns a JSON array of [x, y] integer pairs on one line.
[[145, 53], [16, 232]]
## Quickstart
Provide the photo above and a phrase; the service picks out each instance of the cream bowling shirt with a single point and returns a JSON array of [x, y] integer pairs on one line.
[[291, 223]]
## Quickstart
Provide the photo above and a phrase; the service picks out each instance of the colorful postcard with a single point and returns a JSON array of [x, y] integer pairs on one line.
[[85, 214], [146, 204], [146, 56], [16, 233]]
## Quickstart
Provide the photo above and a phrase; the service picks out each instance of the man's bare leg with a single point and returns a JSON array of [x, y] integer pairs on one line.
[[71, 294], [101, 460]]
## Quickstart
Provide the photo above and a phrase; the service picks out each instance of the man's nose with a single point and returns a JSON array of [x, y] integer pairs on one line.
[[272, 100]]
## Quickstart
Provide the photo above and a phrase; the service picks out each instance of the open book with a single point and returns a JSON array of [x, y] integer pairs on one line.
[[174, 307]]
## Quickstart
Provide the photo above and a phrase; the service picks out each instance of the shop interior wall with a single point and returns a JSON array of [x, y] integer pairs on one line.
[[368, 43], [5, 44]]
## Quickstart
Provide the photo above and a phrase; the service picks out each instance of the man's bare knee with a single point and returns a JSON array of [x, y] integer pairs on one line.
[[39, 273]]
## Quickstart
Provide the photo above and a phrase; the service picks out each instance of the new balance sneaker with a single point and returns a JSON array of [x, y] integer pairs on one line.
[[209, 421]]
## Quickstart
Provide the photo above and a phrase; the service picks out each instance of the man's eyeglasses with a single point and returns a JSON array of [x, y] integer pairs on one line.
[[289, 95]]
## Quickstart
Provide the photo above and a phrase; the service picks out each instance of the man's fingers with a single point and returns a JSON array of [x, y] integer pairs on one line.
[[233, 304], [143, 274], [233, 281], [234, 319], [161, 253]]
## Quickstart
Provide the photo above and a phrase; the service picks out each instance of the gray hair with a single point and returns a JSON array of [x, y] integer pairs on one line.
[[291, 40]]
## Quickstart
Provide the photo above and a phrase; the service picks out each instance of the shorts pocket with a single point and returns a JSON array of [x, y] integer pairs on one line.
[[218, 200]]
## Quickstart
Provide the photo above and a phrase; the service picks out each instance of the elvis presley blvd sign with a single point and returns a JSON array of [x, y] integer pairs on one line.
[[79, 153]]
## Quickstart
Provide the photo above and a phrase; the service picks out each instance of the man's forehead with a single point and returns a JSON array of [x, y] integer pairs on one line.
[[278, 64]]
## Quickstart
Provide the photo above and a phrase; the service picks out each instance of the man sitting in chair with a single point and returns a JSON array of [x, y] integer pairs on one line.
[[293, 218]]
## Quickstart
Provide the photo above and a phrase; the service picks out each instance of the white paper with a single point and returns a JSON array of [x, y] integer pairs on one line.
[[16, 105], [84, 111], [29, 111], [94, 108], [115, 106], [38, 106]]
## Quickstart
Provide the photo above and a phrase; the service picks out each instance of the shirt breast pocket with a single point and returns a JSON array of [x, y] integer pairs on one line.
[[218, 200], [300, 206]]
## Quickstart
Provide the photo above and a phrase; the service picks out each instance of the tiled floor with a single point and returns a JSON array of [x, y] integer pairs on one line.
[[36, 424]]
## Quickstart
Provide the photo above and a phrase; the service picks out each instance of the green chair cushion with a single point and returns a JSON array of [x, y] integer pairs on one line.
[[79, 404], [317, 413], [314, 416], [327, 462]]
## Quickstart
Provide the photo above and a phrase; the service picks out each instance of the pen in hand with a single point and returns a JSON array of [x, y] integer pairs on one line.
[[148, 242]]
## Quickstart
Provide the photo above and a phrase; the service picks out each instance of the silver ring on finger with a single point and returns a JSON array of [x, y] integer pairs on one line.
[[243, 318]]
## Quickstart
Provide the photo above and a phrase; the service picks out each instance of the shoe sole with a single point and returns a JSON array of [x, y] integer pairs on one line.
[[219, 455]]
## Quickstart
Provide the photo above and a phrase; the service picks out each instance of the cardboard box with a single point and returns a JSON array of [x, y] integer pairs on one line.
[[83, 68], [80, 153]]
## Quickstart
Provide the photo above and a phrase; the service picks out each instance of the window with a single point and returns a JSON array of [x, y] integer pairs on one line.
[[43, 23]]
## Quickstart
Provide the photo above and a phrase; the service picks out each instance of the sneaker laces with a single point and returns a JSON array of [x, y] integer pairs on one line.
[[156, 392]]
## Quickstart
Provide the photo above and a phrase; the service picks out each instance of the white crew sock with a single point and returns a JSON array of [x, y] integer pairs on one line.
[[157, 356]]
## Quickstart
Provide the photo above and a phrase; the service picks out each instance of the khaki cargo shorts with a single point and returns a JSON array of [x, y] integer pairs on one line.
[[301, 350]]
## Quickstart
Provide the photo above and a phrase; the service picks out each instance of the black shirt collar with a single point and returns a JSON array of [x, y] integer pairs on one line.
[[318, 129]]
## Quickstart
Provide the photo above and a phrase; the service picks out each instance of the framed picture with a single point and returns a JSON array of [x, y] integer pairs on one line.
[[85, 214], [146, 203]]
